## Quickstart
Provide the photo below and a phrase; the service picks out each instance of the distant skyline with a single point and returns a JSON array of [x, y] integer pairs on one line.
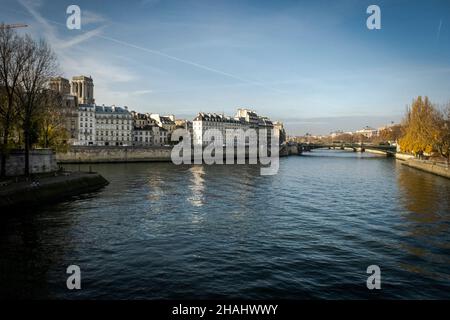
[[311, 64]]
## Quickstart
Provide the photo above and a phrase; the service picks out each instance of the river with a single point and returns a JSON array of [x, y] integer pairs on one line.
[[165, 231]]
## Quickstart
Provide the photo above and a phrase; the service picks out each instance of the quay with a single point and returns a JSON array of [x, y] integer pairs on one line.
[[111, 154], [48, 188], [436, 168], [123, 154]]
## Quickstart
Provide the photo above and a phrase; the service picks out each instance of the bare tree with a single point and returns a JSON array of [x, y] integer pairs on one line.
[[12, 62], [52, 118], [442, 136], [39, 67]]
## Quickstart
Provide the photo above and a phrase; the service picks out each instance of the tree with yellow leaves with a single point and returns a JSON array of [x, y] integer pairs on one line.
[[52, 133], [392, 133], [419, 128]]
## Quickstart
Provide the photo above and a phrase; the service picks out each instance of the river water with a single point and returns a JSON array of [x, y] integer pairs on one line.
[[165, 231]]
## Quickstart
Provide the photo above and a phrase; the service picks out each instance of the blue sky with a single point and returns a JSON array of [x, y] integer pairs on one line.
[[312, 64]]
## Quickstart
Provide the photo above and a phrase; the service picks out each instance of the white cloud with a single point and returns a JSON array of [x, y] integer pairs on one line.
[[98, 68], [75, 59], [141, 92], [79, 39], [49, 29]]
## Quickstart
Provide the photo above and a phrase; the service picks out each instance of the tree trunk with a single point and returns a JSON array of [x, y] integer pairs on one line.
[[6, 128], [46, 139], [3, 164], [27, 153], [4, 150]]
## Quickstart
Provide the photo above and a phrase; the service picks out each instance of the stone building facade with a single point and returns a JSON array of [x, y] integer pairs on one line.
[[60, 84], [147, 132], [244, 119], [144, 136], [279, 131], [207, 121], [114, 126], [83, 88], [104, 126], [87, 124], [165, 122], [91, 125]]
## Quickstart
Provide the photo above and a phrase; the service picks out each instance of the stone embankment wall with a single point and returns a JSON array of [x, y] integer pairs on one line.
[[114, 154], [403, 156], [41, 161], [429, 166], [133, 154], [375, 151]]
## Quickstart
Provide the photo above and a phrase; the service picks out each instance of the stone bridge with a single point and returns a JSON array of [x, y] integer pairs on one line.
[[356, 147]]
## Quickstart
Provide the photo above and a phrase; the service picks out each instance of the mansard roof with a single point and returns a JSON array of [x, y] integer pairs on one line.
[[112, 109], [166, 120], [213, 117], [263, 121]]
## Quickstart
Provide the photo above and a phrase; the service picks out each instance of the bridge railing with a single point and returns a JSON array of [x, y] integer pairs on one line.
[[386, 148]]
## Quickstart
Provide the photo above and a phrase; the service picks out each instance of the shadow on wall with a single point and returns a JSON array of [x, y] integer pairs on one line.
[[41, 161]]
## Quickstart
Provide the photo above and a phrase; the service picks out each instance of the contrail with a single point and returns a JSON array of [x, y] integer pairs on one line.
[[94, 33], [439, 30], [200, 66]]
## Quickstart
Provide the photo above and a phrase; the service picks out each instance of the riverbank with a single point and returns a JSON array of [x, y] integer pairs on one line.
[[440, 169], [378, 152], [125, 154], [108, 154], [428, 166], [403, 156], [47, 188]]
